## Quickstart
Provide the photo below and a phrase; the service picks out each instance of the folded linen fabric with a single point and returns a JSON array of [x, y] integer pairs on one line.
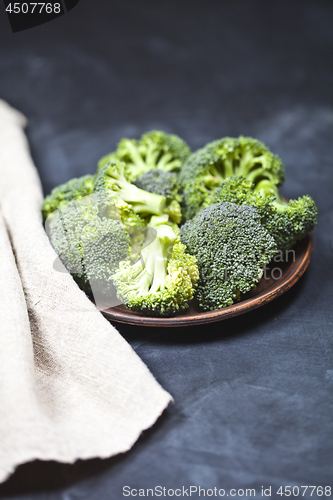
[[70, 385]]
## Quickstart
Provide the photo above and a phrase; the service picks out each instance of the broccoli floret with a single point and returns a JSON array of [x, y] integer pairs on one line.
[[208, 167], [232, 249], [165, 184], [163, 281], [109, 158], [159, 182], [113, 207], [89, 246], [111, 178], [155, 149], [74, 189], [110, 205], [287, 222], [173, 209]]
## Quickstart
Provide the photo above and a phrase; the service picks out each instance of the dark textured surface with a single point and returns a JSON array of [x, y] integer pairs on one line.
[[253, 394]]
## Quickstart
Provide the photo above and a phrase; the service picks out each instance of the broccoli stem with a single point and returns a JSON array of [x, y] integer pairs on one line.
[[142, 281], [228, 166], [251, 167], [166, 164], [267, 188], [246, 163], [155, 256], [135, 156], [172, 166], [222, 169], [142, 201], [156, 265], [150, 271], [151, 155], [258, 174]]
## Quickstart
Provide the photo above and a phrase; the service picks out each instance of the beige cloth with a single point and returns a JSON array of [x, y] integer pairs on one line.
[[70, 386]]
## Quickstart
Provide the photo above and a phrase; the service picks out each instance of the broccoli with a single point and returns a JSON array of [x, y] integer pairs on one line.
[[155, 149], [287, 222], [163, 281], [166, 184], [109, 158], [111, 178], [89, 246], [159, 182], [74, 189], [232, 249], [205, 169], [112, 206], [117, 231]]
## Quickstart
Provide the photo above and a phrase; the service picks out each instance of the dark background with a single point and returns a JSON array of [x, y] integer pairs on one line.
[[253, 395]]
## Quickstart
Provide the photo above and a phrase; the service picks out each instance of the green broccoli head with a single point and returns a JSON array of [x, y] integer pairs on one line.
[[159, 182], [231, 248], [104, 244], [163, 281], [286, 222], [165, 184], [112, 179], [208, 167], [292, 222], [112, 207], [89, 246], [109, 158], [155, 149], [74, 189]]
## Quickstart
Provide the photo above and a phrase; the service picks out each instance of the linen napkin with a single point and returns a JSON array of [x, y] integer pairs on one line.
[[70, 385]]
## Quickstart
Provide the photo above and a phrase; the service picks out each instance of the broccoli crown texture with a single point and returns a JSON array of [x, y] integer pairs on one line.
[[159, 182], [89, 246], [165, 184], [111, 178], [232, 249], [74, 189], [112, 207], [205, 169], [286, 222], [163, 280], [173, 209], [109, 158], [155, 149]]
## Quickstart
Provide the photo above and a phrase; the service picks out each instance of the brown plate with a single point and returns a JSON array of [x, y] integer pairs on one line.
[[278, 278]]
